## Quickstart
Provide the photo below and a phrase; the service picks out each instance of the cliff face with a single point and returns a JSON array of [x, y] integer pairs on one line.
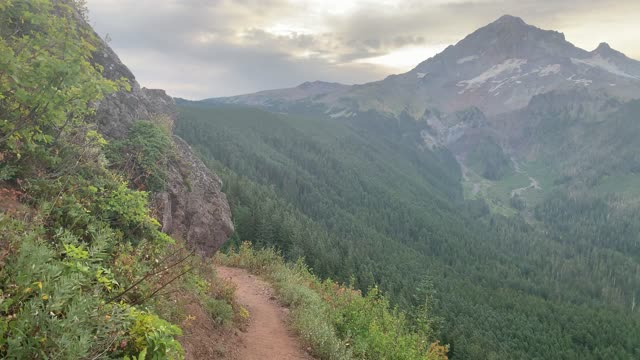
[[193, 206], [118, 111]]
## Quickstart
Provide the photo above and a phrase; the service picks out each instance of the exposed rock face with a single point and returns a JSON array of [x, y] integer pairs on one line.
[[118, 111], [193, 206]]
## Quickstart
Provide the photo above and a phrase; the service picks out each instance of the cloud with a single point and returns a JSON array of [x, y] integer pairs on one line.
[[204, 48]]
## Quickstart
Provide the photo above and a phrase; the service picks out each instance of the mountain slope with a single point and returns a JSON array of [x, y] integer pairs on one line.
[[85, 270], [512, 116], [366, 206]]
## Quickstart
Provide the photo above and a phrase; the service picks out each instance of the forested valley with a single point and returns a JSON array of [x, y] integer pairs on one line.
[[362, 204]]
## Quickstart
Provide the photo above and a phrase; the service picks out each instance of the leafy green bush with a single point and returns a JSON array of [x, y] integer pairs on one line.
[[50, 300], [47, 80], [143, 155], [154, 336], [220, 311], [63, 291], [60, 290]]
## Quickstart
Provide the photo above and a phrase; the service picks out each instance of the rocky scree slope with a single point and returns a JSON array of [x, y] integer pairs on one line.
[[193, 206]]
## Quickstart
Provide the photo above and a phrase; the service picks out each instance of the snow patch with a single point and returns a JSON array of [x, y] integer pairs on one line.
[[421, 75], [343, 113], [549, 69], [585, 82], [466, 59], [598, 61], [508, 66]]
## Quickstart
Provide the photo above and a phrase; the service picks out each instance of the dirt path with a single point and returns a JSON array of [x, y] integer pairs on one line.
[[268, 336]]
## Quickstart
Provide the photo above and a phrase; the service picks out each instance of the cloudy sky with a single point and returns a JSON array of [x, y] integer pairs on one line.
[[207, 48]]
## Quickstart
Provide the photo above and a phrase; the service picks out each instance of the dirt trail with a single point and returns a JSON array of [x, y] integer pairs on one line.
[[267, 336]]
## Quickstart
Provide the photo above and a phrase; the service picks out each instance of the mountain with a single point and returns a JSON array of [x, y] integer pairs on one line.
[[274, 98], [503, 100], [497, 68]]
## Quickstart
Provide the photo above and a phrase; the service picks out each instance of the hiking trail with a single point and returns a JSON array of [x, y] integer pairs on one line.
[[267, 336]]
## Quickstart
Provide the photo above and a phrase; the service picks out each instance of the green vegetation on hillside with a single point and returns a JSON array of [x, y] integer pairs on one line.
[[143, 155], [487, 159], [583, 147], [85, 272], [342, 180], [363, 206]]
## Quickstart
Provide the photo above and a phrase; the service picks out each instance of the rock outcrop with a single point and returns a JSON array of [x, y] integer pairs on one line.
[[193, 206], [118, 111]]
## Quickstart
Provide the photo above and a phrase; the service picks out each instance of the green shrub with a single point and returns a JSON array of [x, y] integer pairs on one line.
[[143, 156], [154, 336], [220, 311], [63, 291], [47, 80], [54, 299], [51, 302]]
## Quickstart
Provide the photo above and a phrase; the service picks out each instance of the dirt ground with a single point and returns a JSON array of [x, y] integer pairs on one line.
[[267, 336]]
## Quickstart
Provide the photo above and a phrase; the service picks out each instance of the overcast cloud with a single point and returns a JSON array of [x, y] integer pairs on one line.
[[207, 48]]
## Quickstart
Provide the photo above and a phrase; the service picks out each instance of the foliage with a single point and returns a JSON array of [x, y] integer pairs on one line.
[[143, 155], [80, 268], [220, 311], [57, 293], [62, 279], [47, 79], [51, 295], [95, 196], [154, 336], [336, 320]]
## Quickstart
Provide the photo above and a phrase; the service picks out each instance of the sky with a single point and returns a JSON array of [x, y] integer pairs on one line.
[[198, 49]]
